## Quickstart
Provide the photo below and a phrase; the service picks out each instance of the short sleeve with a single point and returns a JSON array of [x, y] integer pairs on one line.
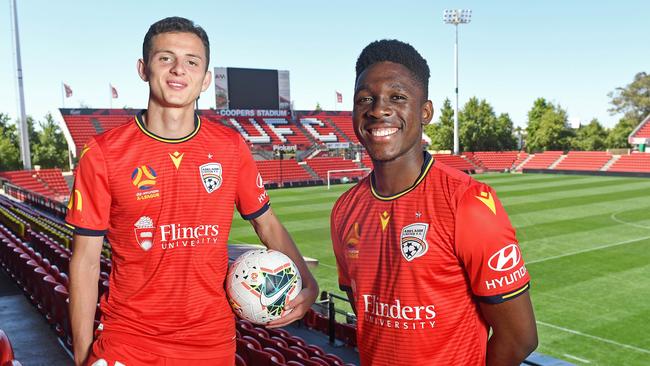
[[488, 248], [339, 250], [252, 199], [90, 201]]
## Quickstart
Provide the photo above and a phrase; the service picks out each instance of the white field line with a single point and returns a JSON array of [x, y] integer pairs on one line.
[[613, 217], [576, 358], [589, 250], [604, 340]]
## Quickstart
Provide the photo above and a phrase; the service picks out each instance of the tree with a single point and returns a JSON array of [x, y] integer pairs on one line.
[[547, 127], [9, 153], [590, 137], [504, 133], [442, 132], [481, 130], [51, 148], [633, 100], [617, 137], [318, 107]]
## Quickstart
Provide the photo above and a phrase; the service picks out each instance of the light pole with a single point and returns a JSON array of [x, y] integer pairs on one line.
[[25, 154], [455, 17]]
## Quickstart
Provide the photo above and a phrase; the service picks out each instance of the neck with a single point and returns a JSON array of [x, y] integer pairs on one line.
[[395, 176], [171, 123]]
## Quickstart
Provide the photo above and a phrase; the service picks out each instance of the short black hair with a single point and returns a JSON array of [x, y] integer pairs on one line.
[[174, 25], [399, 52]]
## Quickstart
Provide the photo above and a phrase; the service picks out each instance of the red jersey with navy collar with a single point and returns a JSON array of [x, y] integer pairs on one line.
[[418, 262], [166, 207]]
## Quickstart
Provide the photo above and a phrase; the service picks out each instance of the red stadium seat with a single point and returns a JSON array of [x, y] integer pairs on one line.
[[239, 360]]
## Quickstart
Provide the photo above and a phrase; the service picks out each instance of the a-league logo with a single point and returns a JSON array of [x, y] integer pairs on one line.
[[211, 176]]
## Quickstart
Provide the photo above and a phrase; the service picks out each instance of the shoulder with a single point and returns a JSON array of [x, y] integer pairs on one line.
[[352, 195], [219, 130], [449, 182]]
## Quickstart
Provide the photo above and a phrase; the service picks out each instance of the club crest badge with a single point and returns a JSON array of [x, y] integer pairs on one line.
[[413, 240], [211, 176], [144, 230]]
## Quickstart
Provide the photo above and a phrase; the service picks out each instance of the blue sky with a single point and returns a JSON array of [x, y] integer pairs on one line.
[[570, 52]]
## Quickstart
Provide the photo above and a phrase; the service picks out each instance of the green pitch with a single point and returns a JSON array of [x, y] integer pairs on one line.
[[586, 241]]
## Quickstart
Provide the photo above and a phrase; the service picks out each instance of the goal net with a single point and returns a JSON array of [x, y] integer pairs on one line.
[[340, 173]]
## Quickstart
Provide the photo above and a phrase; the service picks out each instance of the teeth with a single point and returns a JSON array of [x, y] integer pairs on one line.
[[381, 132]]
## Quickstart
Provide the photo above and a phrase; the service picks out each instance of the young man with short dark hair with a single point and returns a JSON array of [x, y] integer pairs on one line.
[[426, 254], [162, 189]]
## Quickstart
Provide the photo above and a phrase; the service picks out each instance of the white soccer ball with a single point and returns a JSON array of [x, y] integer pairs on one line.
[[260, 283]]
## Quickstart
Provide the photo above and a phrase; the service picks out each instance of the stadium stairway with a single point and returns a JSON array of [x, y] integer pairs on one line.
[[611, 162], [32, 340], [557, 162]]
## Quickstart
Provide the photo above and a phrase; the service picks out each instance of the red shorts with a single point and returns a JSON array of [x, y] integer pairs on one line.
[[110, 352]]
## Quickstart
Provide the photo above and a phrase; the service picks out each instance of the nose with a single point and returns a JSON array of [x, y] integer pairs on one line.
[[379, 109], [178, 68]]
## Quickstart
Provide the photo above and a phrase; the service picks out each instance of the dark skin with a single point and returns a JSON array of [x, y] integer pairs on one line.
[[390, 110]]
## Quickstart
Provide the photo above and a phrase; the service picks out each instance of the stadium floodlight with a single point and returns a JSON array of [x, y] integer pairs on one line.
[[456, 17], [25, 154]]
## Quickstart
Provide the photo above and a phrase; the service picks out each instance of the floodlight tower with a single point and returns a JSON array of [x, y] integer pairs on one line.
[[455, 17], [25, 154]]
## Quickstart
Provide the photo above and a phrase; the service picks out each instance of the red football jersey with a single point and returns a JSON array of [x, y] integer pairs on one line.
[[416, 263], [166, 206]]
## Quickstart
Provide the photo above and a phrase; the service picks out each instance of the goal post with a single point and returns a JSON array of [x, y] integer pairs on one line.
[[330, 172]]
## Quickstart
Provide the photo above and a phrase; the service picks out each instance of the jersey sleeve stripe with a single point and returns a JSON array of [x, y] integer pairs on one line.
[[497, 299], [257, 213], [87, 232]]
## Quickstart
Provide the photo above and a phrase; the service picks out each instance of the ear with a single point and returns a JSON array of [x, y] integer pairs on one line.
[[206, 81], [142, 70], [427, 112]]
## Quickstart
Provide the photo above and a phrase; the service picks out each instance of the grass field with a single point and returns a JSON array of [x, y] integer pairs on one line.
[[586, 241]]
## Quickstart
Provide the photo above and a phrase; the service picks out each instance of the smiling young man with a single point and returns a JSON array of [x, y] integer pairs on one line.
[[162, 189], [425, 253]]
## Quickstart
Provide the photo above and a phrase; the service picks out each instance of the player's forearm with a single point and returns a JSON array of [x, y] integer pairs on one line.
[[84, 276], [506, 350]]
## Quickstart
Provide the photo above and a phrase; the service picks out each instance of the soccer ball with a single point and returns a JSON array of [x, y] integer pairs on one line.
[[260, 283]]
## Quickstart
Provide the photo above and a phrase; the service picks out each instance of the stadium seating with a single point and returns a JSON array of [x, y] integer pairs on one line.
[[280, 171], [344, 123], [643, 131], [455, 161], [543, 160], [495, 160], [584, 160], [47, 182], [638, 162]]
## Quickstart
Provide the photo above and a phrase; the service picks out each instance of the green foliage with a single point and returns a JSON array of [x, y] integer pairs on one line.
[[9, 152], [48, 146], [590, 137], [50, 150], [617, 137], [442, 132], [633, 100], [481, 130], [318, 108], [547, 127]]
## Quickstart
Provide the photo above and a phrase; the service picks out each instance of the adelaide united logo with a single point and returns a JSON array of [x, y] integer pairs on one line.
[[413, 240]]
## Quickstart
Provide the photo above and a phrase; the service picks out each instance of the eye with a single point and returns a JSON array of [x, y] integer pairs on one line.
[[399, 97], [193, 63], [164, 58], [364, 100]]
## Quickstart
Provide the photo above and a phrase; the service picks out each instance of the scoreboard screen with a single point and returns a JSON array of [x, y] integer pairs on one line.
[[240, 88]]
